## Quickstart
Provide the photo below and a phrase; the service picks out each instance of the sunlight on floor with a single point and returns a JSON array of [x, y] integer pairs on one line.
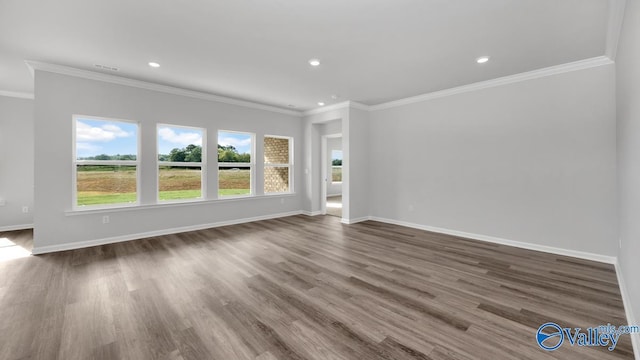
[[9, 250], [334, 206]]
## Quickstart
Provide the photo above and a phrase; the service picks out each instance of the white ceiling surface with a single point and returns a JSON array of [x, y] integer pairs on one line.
[[372, 51]]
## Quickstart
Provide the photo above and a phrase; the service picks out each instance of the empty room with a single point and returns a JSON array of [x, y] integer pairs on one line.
[[290, 179]]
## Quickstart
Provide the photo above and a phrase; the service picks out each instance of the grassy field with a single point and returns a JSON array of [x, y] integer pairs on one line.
[[179, 183], [336, 174], [101, 185]]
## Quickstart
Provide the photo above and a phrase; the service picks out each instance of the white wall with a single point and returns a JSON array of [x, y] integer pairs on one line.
[[333, 188], [356, 157], [533, 162], [628, 113], [58, 97], [16, 162]]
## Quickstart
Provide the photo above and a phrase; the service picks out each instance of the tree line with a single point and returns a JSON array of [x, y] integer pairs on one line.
[[109, 157], [191, 153]]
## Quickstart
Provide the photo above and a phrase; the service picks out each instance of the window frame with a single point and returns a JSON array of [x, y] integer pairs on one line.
[[289, 165], [251, 165], [202, 165], [75, 162]]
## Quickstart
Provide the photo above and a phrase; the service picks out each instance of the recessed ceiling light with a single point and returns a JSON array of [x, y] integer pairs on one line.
[[482, 59], [335, 97], [320, 103], [314, 62], [291, 105], [154, 64]]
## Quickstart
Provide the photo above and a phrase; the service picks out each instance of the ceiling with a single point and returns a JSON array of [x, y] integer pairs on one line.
[[371, 51]]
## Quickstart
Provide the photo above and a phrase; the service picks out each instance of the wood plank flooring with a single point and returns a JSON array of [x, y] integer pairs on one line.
[[301, 288]]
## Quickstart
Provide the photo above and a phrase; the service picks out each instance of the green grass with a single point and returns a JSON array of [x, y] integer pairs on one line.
[[86, 198], [231, 192], [91, 198], [336, 174], [180, 194], [108, 185]]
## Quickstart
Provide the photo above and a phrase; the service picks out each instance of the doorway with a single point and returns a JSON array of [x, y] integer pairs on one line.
[[332, 175]]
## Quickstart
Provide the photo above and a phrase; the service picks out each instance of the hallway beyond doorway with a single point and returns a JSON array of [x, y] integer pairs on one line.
[[334, 205]]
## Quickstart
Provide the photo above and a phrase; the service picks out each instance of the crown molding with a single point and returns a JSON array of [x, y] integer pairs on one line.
[[529, 75], [614, 27], [15, 94], [338, 106], [119, 80], [359, 106], [510, 79]]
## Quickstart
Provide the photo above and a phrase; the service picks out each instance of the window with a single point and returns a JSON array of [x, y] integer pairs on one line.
[[336, 166], [180, 163], [105, 162], [235, 163], [278, 161]]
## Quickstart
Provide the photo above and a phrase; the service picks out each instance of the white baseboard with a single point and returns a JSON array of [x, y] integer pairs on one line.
[[89, 243], [518, 244], [312, 213], [356, 220], [16, 227], [631, 320]]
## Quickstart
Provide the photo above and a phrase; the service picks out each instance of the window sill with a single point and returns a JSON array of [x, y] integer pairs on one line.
[[134, 207]]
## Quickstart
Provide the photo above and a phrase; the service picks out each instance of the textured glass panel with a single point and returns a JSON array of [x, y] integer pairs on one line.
[[276, 150], [276, 179]]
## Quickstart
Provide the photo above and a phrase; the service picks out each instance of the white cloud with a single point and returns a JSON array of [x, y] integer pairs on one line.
[[184, 138], [87, 146], [237, 143], [104, 133]]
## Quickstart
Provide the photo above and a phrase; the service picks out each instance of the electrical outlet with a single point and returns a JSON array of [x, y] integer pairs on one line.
[[282, 201], [2, 202], [105, 219], [25, 209], [410, 207]]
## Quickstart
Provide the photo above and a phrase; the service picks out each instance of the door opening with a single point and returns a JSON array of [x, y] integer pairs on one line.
[[332, 175]]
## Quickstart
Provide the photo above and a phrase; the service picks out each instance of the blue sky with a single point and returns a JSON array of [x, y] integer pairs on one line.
[[242, 142], [170, 137], [95, 137], [336, 154]]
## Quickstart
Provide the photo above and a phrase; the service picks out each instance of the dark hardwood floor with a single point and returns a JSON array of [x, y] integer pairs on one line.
[[301, 288]]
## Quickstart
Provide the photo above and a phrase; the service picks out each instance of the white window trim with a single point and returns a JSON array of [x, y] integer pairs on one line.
[[76, 162], [289, 165], [250, 165], [201, 165]]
